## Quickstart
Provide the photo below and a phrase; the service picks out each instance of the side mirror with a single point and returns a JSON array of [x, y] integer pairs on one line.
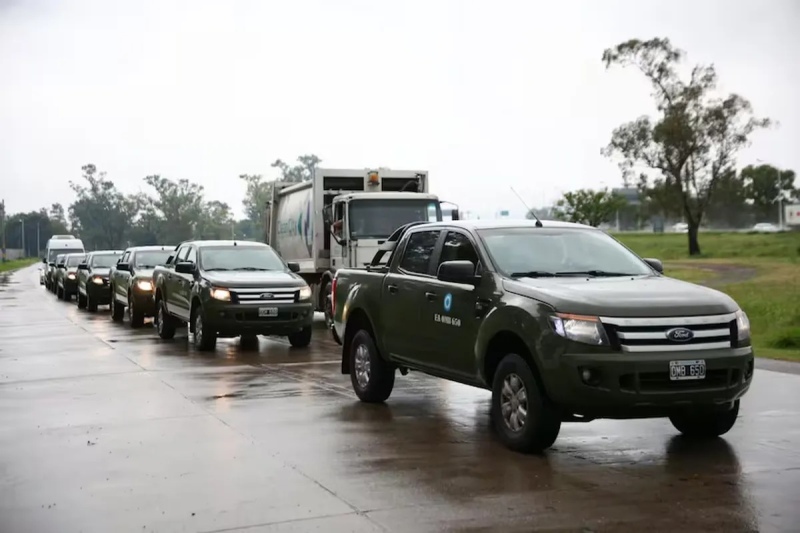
[[62, 265], [123, 267], [44, 260], [51, 264], [657, 265], [294, 267], [83, 266], [184, 267], [458, 272]]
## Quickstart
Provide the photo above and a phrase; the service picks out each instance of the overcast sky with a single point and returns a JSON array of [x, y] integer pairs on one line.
[[484, 95]]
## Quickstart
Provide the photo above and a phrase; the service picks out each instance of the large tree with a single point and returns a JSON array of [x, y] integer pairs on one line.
[[178, 207], [302, 171], [257, 194], [101, 214], [586, 206], [696, 136]]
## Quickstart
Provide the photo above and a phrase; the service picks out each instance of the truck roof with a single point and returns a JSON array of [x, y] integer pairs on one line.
[[151, 248], [202, 243], [500, 224], [389, 195]]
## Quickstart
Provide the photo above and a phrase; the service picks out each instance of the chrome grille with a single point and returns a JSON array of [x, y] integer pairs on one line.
[[265, 296], [651, 334]]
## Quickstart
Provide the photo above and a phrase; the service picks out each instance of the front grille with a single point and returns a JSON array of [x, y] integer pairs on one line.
[[265, 296], [651, 334]]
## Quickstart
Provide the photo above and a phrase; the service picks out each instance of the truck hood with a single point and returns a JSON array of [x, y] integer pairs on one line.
[[100, 271], [143, 273], [254, 279], [641, 296]]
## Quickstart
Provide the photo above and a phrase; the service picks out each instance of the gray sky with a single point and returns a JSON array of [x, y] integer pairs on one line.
[[484, 95]]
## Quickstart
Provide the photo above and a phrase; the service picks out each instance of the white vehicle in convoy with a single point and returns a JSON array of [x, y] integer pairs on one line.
[[765, 227], [58, 244], [340, 217]]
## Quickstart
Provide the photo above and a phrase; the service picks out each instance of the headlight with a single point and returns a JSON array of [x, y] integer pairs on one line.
[[97, 280], [221, 294], [742, 325], [580, 328], [70, 276], [144, 285], [305, 293]]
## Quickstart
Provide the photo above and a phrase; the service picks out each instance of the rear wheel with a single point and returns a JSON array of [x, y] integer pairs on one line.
[[302, 338], [165, 324], [371, 376], [137, 316], [705, 425], [205, 339], [117, 311], [520, 413]]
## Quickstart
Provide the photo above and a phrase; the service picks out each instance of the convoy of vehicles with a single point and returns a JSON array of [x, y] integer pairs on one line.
[[66, 276], [231, 289], [56, 245], [339, 218], [93, 286], [132, 282], [560, 321]]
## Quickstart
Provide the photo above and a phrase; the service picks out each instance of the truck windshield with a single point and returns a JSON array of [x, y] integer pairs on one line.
[[531, 252], [105, 260], [377, 219], [75, 260], [240, 258], [151, 259]]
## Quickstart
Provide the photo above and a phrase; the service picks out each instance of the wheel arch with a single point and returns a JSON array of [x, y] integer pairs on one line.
[[357, 319]]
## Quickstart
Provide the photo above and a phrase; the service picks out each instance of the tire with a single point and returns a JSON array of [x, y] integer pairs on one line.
[[117, 311], [81, 300], [249, 341], [328, 308], [513, 387], [301, 339], [205, 339], [137, 316], [371, 376], [66, 296], [165, 324], [91, 305], [708, 425], [59, 293]]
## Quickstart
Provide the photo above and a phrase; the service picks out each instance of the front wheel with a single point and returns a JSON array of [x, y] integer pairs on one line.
[[371, 376], [520, 413], [205, 339], [301, 339], [117, 311], [165, 324], [137, 316], [705, 425], [81, 300]]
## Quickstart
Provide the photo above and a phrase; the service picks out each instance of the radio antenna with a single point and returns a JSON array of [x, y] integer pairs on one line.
[[531, 211]]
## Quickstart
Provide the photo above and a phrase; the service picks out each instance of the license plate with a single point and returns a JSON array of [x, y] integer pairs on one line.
[[680, 370], [264, 312]]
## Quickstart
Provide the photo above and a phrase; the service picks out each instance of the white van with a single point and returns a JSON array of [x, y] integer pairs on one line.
[[58, 244]]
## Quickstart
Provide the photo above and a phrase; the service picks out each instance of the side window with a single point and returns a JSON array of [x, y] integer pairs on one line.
[[125, 258], [191, 256], [181, 254], [418, 252], [458, 247]]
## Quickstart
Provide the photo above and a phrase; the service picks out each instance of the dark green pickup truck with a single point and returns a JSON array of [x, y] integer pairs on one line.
[[560, 321], [231, 289]]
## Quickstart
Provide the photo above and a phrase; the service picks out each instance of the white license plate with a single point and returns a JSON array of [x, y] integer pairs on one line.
[[267, 312], [680, 370]]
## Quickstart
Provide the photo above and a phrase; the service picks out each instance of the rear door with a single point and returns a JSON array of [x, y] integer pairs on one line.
[[404, 295], [182, 284], [172, 282], [120, 279]]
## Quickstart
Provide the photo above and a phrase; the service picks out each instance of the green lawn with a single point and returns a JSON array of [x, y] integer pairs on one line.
[[17, 263], [771, 297]]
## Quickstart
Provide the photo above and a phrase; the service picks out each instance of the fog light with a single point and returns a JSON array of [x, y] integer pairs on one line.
[[590, 376], [586, 375]]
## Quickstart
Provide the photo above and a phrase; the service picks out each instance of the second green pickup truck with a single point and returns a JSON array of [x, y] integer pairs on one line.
[[560, 321], [230, 289]]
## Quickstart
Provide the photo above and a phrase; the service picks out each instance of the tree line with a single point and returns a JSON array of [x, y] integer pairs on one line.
[[171, 211]]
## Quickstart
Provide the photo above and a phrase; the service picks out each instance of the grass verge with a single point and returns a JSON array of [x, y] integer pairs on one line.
[[17, 263], [671, 246]]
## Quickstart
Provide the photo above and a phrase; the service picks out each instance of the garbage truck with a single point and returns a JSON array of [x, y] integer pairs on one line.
[[340, 217]]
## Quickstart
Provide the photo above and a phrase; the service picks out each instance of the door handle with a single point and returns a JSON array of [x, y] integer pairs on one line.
[[392, 288], [431, 296]]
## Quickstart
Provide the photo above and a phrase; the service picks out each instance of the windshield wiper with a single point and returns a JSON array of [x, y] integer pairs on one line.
[[215, 268], [251, 268], [533, 274], [596, 273]]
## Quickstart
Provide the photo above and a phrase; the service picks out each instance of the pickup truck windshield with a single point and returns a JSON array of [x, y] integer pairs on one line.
[[55, 253], [533, 252], [377, 219], [104, 261], [151, 259], [74, 260], [240, 258]]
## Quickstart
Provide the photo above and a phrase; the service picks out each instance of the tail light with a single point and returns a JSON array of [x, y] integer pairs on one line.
[[333, 297]]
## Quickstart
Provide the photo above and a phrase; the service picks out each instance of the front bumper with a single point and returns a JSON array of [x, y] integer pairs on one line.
[[143, 301], [101, 294], [231, 320], [70, 285], [628, 385]]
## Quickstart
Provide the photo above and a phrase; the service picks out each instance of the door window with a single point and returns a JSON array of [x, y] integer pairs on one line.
[[191, 256], [418, 252], [458, 247]]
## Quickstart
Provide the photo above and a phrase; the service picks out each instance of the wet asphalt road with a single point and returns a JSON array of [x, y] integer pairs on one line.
[[105, 428]]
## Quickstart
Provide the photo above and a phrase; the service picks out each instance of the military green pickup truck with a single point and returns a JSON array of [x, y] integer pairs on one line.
[[93, 279], [132, 282], [560, 321], [231, 289]]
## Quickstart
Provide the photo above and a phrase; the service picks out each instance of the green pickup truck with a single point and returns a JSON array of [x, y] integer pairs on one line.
[[231, 289], [560, 321], [93, 279], [132, 282]]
